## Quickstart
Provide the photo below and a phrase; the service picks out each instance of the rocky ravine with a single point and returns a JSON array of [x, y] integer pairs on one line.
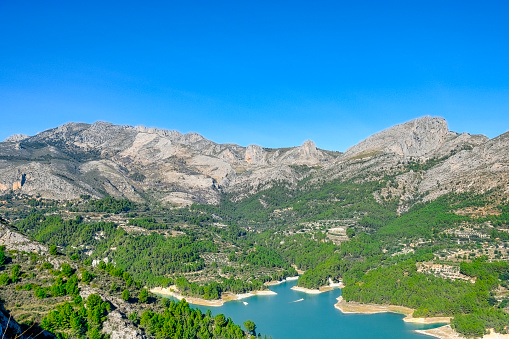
[[142, 163]]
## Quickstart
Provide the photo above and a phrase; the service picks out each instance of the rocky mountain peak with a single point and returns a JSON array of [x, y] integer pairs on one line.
[[16, 138], [254, 155], [306, 154], [171, 134], [416, 138], [100, 125], [308, 149], [165, 165]]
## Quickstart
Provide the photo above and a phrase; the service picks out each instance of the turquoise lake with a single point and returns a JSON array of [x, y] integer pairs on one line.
[[281, 317]]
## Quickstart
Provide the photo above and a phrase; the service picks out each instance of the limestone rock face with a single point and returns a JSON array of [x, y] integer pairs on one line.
[[16, 138], [52, 181], [416, 138], [308, 150], [140, 163], [306, 154], [119, 328], [14, 241], [480, 169], [456, 142], [458, 162], [254, 155]]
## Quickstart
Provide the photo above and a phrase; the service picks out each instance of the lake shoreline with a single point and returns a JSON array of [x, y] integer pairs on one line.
[[293, 306], [278, 282], [351, 307], [446, 332], [332, 285], [172, 291], [312, 291]]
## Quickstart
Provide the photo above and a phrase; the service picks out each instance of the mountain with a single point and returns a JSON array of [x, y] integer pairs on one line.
[[141, 163], [149, 164], [427, 161], [415, 215]]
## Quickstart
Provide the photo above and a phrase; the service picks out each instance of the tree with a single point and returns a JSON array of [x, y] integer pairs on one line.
[[96, 309], [40, 293], [113, 287], [67, 270], [71, 286], [86, 277], [94, 333], [220, 320], [250, 327], [134, 317], [15, 273], [143, 296], [126, 295], [4, 279], [3, 259], [350, 232], [53, 250]]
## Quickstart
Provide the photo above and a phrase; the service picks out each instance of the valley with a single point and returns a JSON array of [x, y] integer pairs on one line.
[[414, 216]]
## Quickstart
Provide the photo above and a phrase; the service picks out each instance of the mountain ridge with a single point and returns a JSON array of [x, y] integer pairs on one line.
[[151, 164]]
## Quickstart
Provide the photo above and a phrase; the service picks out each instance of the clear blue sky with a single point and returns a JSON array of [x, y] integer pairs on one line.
[[271, 73]]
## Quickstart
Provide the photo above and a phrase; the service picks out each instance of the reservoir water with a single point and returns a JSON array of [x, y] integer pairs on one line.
[[285, 315]]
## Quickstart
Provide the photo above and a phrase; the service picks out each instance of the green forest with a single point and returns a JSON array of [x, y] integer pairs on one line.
[[239, 245], [71, 316]]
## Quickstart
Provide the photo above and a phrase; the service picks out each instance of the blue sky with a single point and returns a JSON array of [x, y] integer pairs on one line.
[[271, 73]]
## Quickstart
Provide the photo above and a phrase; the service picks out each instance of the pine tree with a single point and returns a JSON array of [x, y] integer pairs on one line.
[[126, 295]]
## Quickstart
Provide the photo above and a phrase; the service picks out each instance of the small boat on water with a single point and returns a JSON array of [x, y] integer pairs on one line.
[[245, 303], [296, 301]]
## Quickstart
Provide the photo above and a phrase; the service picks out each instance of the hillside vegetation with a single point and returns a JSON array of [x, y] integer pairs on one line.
[[237, 246], [415, 215]]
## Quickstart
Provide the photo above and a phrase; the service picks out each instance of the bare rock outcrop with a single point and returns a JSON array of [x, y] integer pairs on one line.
[[306, 154], [13, 240], [457, 142], [416, 138], [116, 324], [16, 138], [484, 167], [119, 328], [255, 155], [48, 180]]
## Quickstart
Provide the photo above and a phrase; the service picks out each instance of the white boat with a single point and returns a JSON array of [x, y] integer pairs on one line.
[[296, 301], [245, 303]]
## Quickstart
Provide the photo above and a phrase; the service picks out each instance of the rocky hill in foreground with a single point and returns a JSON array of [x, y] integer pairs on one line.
[[149, 164]]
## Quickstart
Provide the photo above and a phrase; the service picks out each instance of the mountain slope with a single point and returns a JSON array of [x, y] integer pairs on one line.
[[141, 163], [149, 164]]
